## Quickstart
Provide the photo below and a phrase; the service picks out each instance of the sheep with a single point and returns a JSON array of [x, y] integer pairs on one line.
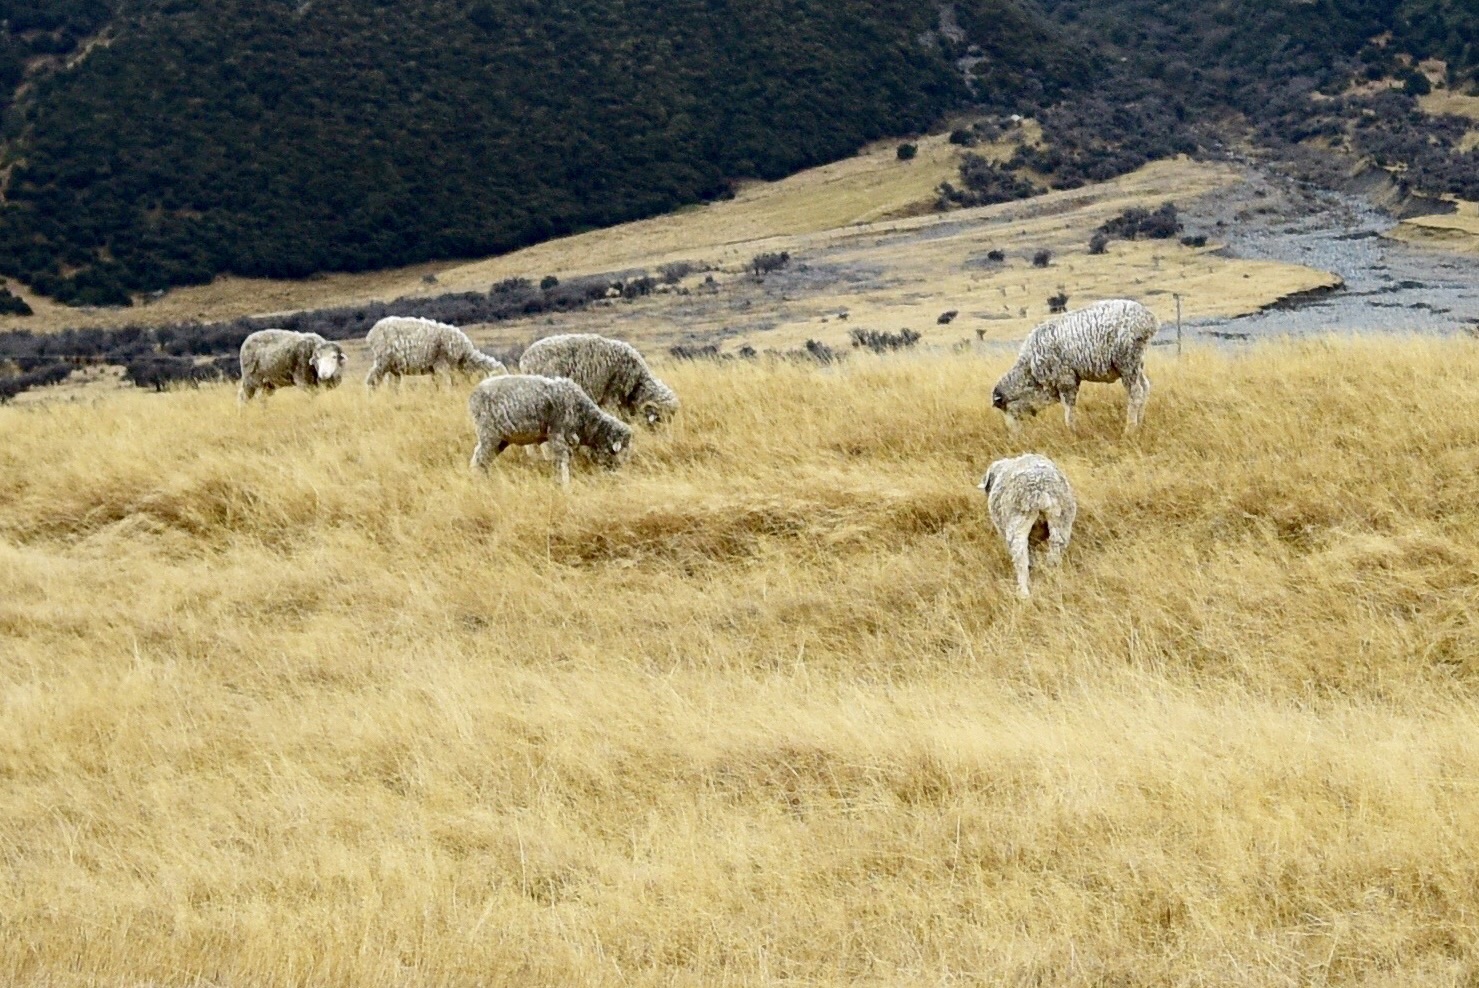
[[528, 409], [613, 373], [1020, 493], [1103, 343], [402, 345], [280, 358]]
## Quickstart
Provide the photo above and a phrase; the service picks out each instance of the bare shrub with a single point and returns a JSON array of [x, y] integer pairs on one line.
[[884, 342], [762, 264]]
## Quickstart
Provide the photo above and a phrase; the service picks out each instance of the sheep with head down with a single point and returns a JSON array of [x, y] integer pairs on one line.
[[410, 345], [1102, 343], [1023, 493], [281, 358], [528, 409], [612, 372]]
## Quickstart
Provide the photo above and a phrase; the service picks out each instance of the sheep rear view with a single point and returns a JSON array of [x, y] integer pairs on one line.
[[1022, 492], [281, 358], [526, 410], [612, 372], [1102, 343], [409, 345]]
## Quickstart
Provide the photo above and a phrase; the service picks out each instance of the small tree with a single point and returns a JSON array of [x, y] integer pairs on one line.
[[549, 281], [765, 263], [1042, 258], [1097, 243], [907, 152], [1059, 302], [1416, 83], [12, 305]]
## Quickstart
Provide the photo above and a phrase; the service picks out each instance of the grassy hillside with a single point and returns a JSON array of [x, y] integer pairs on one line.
[[280, 139], [291, 698]]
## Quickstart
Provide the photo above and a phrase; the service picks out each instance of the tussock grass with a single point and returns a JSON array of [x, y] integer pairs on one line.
[[290, 697]]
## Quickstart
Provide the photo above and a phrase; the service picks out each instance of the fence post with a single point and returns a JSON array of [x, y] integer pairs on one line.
[[1178, 324]]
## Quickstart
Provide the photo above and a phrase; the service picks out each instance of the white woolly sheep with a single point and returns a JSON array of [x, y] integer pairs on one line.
[[613, 373], [524, 410], [280, 358], [1103, 343], [1020, 493], [402, 345]]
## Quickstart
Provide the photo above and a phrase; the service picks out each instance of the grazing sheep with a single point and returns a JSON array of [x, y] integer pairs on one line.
[[1104, 342], [402, 345], [525, 410], [280, 358], [1021, 492], [613, 373]]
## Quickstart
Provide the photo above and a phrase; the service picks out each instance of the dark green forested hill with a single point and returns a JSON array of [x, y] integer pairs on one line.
[[265, 137], [1234, 45]]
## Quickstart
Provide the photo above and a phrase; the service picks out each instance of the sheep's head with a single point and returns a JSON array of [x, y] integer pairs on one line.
[[328, 363], [479, 361], [1017, 397], [990, 477], [611, 443], [654, 413], [656, 403]]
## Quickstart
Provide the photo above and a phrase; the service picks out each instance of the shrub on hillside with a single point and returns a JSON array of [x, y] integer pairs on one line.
[[1137, 222], [883, 342], [39, 377], [765, 263], [12, 304], [984, 184]]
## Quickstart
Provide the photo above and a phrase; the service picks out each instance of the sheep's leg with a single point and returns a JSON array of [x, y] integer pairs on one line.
[[562, 462], [1139, 389], [376, 373], [484, 453], [244, 393], [1060, 530], [1069, 397], [1017, 535]]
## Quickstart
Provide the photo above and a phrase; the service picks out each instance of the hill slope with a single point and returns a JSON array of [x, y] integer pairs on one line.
[[290, 697], [281, 139]]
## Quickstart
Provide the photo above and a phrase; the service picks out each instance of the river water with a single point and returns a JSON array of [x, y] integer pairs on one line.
[[1389, 286]]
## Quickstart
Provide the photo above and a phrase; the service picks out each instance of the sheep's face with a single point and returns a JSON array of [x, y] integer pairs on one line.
[[655, 414], [479, 362], [611, 446], [1017, 402], [328, 363]]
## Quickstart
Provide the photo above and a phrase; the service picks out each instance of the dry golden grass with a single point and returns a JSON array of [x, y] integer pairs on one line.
[[1441, 102], [1456, 232], [291, 698]]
